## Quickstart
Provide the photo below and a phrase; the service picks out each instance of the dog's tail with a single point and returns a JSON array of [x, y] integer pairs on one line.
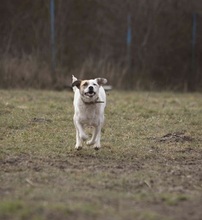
[[73, 80]]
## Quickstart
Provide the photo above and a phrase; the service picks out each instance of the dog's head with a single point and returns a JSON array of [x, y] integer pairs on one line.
[[89, 89]]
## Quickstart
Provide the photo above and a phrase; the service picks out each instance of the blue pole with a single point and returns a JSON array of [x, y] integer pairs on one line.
[[129, 57], [128, 41], [53, 50]]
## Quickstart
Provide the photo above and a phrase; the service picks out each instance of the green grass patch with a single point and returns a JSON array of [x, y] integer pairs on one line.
[[149, 166]]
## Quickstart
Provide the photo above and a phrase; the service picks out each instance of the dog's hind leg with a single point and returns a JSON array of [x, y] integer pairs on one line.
[[95, 140]]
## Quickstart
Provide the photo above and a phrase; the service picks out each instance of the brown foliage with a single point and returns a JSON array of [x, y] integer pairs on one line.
[[91, 41]]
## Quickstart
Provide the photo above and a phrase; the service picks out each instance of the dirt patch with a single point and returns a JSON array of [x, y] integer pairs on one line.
[[41, 120], [175, 137], [165, 189]]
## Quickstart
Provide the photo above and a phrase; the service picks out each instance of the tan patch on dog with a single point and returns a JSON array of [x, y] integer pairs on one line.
[[84, 83]]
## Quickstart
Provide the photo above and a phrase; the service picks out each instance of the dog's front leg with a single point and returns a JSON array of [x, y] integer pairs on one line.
[[79, 142], [80, 135]]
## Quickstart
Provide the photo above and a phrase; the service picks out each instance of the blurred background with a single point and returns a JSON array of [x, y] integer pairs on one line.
[[135, 44]]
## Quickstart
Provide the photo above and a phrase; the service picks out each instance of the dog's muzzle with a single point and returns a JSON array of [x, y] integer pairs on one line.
[[90, 92]]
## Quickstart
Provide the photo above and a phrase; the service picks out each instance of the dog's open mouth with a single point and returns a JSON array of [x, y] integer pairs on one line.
[[90, 93]]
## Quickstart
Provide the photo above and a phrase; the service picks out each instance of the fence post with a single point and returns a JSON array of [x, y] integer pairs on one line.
[[192, 76], [129, 56]]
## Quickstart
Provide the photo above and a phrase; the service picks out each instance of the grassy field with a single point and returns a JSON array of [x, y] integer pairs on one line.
[[149, 166]]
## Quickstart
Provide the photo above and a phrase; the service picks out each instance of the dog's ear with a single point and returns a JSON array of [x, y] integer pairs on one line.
[[76, 83], [101, 81], [74, 78]]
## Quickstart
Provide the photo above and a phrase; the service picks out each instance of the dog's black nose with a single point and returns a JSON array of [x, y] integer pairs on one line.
[[90, 88]]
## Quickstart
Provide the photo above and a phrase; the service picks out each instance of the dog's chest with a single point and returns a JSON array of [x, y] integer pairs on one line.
[[90, 114]]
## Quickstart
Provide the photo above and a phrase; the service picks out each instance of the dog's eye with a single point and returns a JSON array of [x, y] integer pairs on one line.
[[94, 84]]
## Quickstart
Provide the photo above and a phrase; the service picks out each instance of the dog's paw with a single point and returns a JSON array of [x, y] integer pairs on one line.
[[96, 146], [78, 147]]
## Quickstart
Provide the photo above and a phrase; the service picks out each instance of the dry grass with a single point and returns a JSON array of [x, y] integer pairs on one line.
[[24, 72], [149, 166], [30, 71], [92, 68]]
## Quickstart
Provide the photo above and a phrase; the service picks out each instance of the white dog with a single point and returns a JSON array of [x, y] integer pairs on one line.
[[89, 105]]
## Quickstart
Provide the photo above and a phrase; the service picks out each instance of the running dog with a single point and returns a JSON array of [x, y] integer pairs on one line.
[[89, 105]]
